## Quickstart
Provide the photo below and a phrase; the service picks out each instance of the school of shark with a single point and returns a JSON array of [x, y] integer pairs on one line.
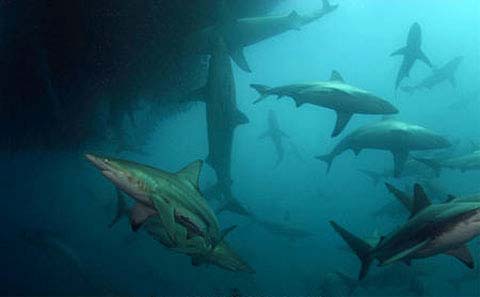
[[185, 212]]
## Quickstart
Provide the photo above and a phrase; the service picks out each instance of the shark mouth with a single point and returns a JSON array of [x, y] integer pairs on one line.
[[192, 228]]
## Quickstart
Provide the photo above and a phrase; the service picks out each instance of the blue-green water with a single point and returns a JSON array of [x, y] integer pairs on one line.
[[57, 207]]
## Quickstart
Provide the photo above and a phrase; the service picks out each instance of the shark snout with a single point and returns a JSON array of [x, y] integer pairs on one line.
[[100, 163]]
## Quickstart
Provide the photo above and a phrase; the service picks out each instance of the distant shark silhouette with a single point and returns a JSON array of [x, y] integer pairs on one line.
[[243, 32], [411, 52], [446, 72], [275, 135]]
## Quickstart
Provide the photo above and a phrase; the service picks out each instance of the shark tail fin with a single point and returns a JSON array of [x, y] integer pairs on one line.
[[350, 283], [361, 248], [432, 163], [122, 209], [262, 90], [328, 158]]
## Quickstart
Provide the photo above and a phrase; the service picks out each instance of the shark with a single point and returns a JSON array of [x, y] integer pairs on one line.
[[223, 117], [439, 75], [335, 94], [276, 135], [432, 229], [412, 168], [289, 232], [398, 277], [411, 52], [467, 162], [172, 209], [391, 135], [408, 201], [243, 32]]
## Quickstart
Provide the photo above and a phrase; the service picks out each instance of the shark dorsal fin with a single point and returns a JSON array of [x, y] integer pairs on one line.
[[191, 172], [420, 200], [336, 76]]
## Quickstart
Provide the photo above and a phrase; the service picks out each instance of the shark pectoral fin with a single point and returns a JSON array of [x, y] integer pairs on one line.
[[122, 209], [191, 173], [342, 120], [240, 118], [336, 76], [420, 200], [424, 58], [463, 255], [398, 52], [399, 160], [405, 254], [140, 213], [239, 58]]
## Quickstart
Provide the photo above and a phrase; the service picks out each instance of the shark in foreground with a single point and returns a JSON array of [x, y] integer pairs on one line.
[[446, 72], [432, 229], [172, 210], [335, 94], [276, 135], [463, 163], [243, 32], [411, 52], [394, 136]]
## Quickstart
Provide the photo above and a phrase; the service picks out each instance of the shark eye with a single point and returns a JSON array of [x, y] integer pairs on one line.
[[106, 160]]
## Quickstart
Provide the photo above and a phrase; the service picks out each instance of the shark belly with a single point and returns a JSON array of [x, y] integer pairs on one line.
[[460, 234]]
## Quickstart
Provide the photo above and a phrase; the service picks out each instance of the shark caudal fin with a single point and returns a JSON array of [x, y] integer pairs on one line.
[[361, 248], [328, 158], [432, 163], [122, 209], [262, 90]]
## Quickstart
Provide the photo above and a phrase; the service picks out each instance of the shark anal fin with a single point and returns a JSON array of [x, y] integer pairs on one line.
[[420, 200], [422, 57], [342, 120], [239, 58], [463, 255], [399, 160], [405, 254], [140, 213]]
